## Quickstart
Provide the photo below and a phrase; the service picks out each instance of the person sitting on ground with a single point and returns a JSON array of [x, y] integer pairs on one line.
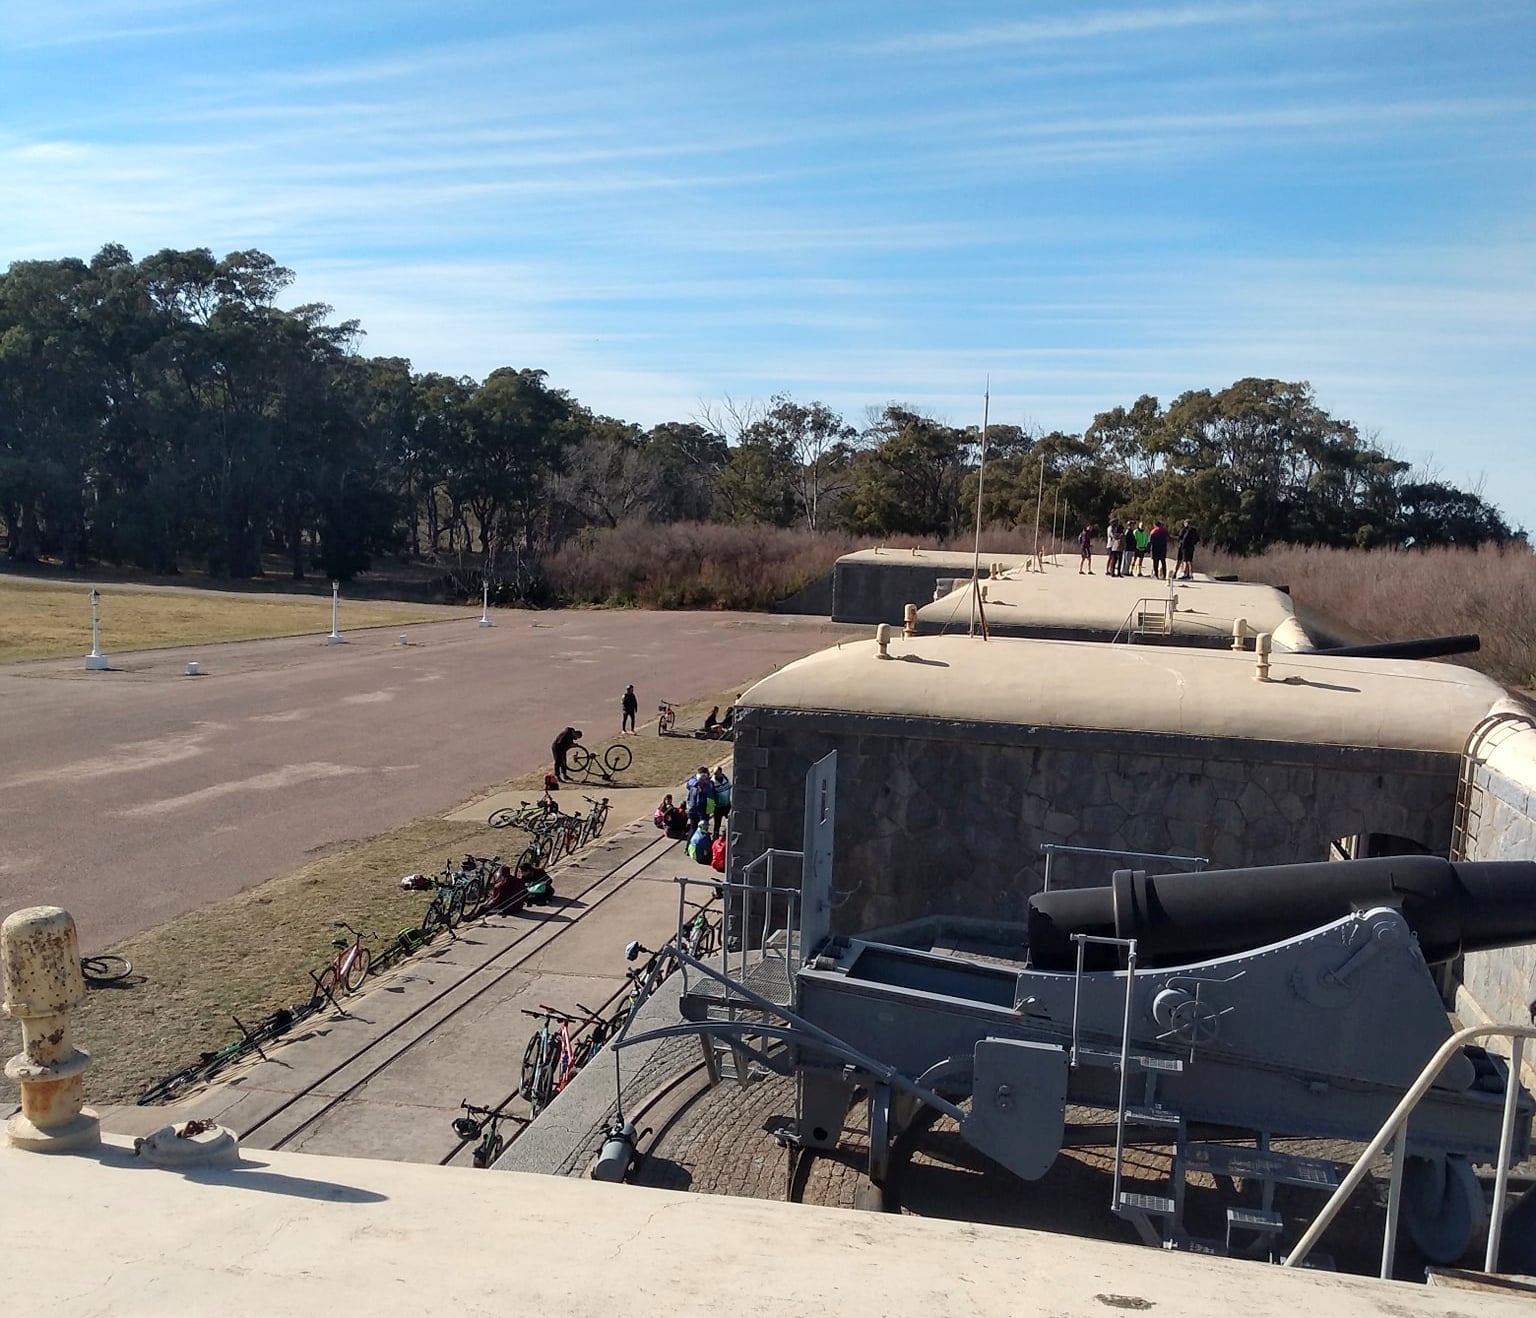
[[670, 818], [535, 882], [729, 721], [713, 727], [560, 748]]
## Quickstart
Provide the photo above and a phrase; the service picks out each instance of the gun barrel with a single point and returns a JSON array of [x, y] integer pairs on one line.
[[1428, 647], [1176, 918]]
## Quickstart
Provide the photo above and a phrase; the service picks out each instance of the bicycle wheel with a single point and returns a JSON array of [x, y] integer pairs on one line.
[[327, 987], [455, 911], [618, 757], [357, 971], [105, 969], [475, 893], [431, 923], [530, 1073], [578, 759], [599, 818], [549, 1068], [501, 818]]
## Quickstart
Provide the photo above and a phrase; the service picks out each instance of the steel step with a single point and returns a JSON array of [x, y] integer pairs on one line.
[[1259, 1165], [1254, 1219], [1146, 1203], [1139, 1061], [1153, 1116]]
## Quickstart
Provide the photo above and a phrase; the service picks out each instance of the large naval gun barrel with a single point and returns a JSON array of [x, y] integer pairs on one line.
[[1179, 918], [1427, 647]]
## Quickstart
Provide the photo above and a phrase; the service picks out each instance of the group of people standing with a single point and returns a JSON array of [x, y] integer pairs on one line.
[[1127, 549]]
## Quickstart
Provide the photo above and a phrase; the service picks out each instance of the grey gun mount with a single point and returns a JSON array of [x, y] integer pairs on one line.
[[1451, 908]]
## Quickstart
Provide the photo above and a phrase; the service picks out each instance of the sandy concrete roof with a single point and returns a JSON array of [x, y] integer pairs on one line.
[[941, 560], [1512, 749], [1059, 598], [292, 1234], [1311, 699]]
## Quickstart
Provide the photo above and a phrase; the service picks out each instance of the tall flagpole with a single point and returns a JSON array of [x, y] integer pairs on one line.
[[981, 475]]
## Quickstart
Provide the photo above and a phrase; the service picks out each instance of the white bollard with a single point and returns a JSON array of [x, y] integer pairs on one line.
[[95, 662], [335, 638], [403, 641], [485, 605], [192, 669]]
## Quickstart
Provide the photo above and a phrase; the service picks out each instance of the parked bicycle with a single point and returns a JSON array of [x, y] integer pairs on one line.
[[349, 968], [482, 1124], [526, 814], [666, 717], [541, 1060]]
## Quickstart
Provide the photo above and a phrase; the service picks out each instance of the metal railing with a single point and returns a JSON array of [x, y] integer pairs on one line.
[[1129, 945], [1052, 849], [1395, 1130]]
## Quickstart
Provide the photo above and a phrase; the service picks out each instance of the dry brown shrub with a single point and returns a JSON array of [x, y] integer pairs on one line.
[[707, 565], [1400, 594]]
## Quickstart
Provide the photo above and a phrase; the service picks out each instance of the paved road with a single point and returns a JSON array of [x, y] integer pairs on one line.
[[133, 796]]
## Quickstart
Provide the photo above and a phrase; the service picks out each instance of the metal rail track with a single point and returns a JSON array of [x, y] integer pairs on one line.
[[639, 860]]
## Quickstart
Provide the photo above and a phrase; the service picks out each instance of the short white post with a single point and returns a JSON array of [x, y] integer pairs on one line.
[[335, 638], [1239, 633], [1261, 658], [485, 604], [95, 662]]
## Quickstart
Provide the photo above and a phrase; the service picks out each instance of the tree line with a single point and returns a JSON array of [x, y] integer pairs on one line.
[[167, 411]]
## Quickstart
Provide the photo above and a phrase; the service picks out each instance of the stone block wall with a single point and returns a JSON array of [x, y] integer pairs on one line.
[[939, 817], [1501, 984], [880, 592]]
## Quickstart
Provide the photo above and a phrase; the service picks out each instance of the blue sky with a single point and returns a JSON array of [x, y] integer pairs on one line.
[[665, 204]]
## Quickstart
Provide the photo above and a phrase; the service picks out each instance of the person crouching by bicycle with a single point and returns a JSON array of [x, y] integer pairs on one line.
[[560, 748]]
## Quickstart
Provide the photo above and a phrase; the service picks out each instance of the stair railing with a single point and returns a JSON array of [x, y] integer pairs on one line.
[[1129, 944], [1395, 1132]]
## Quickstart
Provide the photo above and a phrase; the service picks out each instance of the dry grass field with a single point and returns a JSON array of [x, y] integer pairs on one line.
[[1401, 594], [252, 953], [44, 619]]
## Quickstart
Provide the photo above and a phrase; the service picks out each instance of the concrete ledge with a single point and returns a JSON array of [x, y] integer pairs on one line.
[[284, 1234]]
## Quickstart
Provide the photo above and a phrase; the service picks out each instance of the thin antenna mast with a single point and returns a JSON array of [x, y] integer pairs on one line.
[[981, 475]]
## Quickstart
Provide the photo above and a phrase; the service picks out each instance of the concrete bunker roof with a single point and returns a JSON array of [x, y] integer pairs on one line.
[[1177, 691], [1060, 599], [942, 560]]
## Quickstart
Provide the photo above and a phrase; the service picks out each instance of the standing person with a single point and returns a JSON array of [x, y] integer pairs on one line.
[[1189, 540], [1114, 543], [700, 793], [631, 706], [560, 749], [1085, 545], [720, 806], [1140, 539], [1157, 544]]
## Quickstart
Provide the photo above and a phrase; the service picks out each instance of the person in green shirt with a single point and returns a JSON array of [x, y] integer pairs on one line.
[[1140, 539]]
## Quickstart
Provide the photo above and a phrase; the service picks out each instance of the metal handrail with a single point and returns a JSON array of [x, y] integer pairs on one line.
[[1396, 1129], [1129, 946], [1167, 603], [1050, 849]]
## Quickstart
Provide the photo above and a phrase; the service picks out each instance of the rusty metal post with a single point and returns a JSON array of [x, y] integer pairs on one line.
[[40, 964]]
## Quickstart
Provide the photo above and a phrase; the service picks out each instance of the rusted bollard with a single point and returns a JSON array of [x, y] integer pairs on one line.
[[40, 964]]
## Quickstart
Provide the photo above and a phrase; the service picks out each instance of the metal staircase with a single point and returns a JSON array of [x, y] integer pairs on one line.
[[1159, 1216]]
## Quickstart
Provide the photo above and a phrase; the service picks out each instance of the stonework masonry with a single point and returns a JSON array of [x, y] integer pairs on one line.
[[1501, 984], [947, 817]]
